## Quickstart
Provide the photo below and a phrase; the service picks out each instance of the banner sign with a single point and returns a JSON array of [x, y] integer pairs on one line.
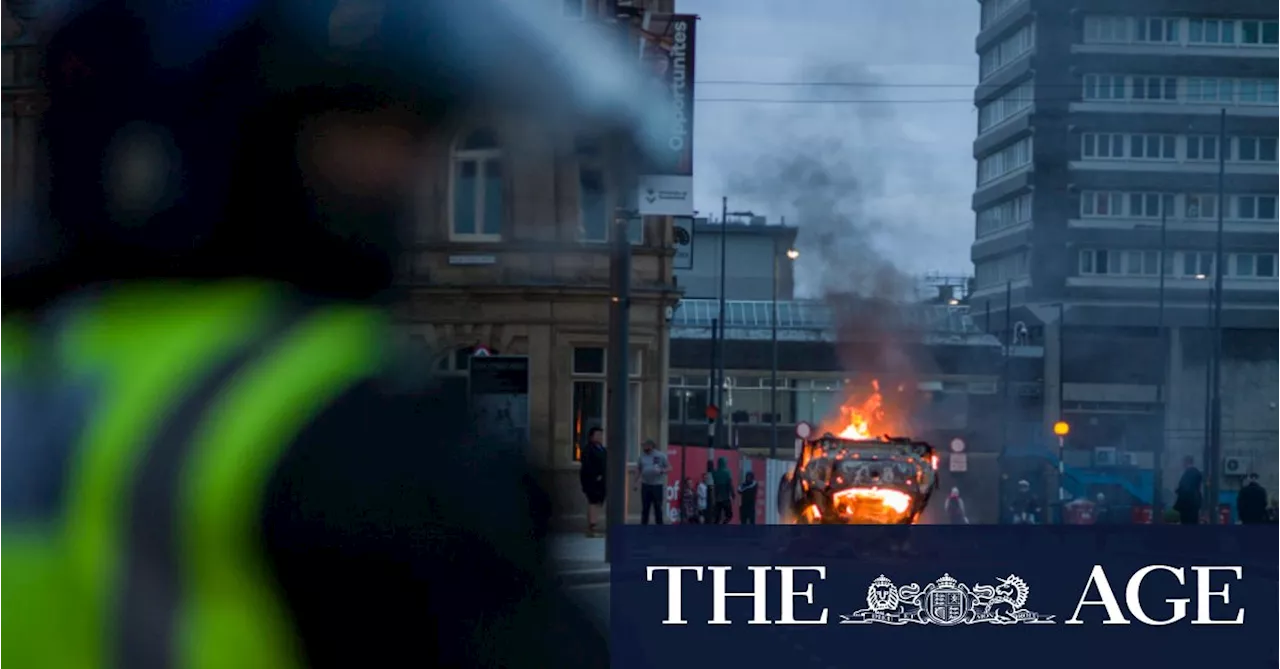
[[958, 596], [667, 188]]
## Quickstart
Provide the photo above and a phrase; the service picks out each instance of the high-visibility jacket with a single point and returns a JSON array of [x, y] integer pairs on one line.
[[141, 427]]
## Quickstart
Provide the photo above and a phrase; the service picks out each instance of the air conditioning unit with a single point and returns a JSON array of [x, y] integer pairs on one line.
[[1127, 459], [1104, 457], [1236, 466]]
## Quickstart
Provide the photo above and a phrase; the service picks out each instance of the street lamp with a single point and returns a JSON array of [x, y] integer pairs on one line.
[[1061, 429], [792, 254]]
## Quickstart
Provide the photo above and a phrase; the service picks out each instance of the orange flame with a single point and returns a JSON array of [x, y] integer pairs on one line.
[[865, 419]]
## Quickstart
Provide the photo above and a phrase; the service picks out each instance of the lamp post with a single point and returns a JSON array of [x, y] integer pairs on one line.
[[718, 373], [792, 254], [1061, 429]]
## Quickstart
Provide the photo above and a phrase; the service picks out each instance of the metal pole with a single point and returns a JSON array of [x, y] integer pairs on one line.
[[1062, 354], [1062, 414], [1062, 479], [1008, 353], [1208, 384], [619, 376], [773, 370], [1157, 478], [684, 444], [711, 383], [724, 254], [1219, 269]]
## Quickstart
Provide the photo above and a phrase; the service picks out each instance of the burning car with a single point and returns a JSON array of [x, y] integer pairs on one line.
[[858, 480]]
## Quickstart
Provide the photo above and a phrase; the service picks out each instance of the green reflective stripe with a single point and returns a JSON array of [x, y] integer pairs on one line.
[[234, 618], [144, 344], [15, 344]]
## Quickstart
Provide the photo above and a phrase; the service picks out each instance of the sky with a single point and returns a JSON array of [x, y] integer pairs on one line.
[[896, 175]]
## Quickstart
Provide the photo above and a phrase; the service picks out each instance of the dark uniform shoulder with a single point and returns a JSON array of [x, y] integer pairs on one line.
[[386, 521]]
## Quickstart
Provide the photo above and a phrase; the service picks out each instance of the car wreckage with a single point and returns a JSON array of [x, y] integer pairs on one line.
[[843, 481]]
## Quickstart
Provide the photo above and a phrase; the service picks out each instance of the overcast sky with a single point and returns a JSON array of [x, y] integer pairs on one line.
[[910, 162]]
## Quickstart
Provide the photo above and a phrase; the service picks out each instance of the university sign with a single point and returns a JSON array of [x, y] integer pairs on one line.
[[667, 188]]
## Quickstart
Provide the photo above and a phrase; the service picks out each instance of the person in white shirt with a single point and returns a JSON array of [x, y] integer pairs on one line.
[[705, 489]]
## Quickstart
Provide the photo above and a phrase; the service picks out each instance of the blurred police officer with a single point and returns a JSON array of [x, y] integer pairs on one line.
[[210, 460]]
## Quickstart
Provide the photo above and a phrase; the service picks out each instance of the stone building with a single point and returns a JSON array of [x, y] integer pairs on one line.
[[511, 253]]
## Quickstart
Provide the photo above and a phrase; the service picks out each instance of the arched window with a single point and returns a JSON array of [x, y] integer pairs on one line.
[[477, 204]]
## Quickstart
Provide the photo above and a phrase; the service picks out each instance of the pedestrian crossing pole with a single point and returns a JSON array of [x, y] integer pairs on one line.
[[1062, 429]]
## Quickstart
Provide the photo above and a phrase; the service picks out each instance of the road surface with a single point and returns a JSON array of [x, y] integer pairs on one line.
[[595, 601]]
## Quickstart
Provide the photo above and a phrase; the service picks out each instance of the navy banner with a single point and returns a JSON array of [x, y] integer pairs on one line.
[[956, 597]]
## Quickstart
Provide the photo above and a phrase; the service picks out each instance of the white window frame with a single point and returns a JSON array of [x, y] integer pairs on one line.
[[1008, 160], [1144, 82], [1260, 146], [1199, 141], [1166, 147], [1265, 92], [1220, 27], [1262, 31], [1236, 260], [1115, 204], [1006, 52], [1201, 262], [1006, 107], [1104, 82], [1108, 29], [635, 390], [1141, 30], [1194, 206], [1092, 143], [482, 158], [1007, 214], [1258, 201], [1139, 204]]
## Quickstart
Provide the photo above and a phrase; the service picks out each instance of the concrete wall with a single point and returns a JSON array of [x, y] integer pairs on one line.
[[1249, 417], [750, 266]]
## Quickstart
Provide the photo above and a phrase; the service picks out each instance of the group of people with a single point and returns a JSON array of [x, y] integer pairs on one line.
[[1252, 505], [710, 502]]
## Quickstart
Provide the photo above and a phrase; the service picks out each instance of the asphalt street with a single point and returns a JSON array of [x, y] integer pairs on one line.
[[595, 600]]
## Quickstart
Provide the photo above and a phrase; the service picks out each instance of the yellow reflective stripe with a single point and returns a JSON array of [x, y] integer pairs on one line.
[[234, 617], [143, 345]]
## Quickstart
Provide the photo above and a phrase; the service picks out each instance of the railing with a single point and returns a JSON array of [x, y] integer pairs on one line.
[[813, 315]]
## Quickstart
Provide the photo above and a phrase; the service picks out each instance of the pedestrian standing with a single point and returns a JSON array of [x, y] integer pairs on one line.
[[651, 479], [954, 506], [1251, 502], [707, 499], [1187, 496], [689, 508], [591, 477], [747, 495], [724, 491]]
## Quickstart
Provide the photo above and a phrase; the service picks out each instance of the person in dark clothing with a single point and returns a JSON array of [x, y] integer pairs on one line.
[[1025, 508], [1251, 502], [1102, 514], [1187, 498], [724, 492], [592, 477], [202, 300], [747, 495]]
